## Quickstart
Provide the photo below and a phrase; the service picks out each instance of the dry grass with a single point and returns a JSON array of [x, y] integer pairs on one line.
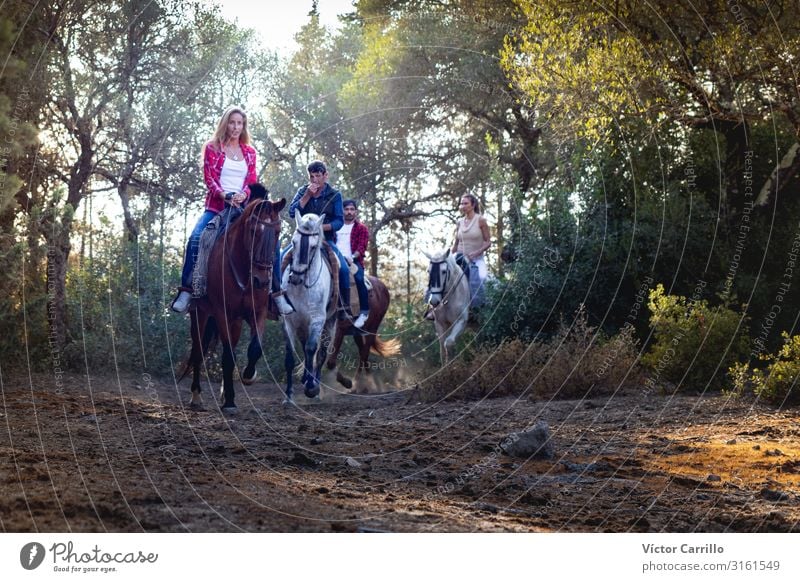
[[577, 362]]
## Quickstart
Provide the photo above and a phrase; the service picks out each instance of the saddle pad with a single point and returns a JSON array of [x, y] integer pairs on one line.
[[355, 306], [206, 243]]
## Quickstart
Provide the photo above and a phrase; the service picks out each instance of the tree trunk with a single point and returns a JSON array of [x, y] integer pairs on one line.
[[58, 248], [130, 224], [499, 232], [408, 272], [787, 169]]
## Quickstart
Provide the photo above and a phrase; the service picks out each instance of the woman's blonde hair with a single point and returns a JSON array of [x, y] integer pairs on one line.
[[221, 134]]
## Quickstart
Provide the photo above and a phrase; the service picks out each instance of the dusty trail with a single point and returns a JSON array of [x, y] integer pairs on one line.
[[125, 455]]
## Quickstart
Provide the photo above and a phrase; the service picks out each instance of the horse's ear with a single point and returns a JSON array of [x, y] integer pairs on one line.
[[279, 205], [447, 254], [321, 222], [297, 219], [258, 191]]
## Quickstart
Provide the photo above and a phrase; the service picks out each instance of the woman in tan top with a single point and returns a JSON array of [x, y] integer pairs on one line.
[[472, 234]]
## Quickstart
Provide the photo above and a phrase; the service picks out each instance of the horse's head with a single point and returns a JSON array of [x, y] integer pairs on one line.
[[307, 239], [261, 227], [439, 271]]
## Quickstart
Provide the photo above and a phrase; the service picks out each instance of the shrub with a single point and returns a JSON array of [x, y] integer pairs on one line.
[[777, 383], [581, 362], [694, 344], [576, 362]]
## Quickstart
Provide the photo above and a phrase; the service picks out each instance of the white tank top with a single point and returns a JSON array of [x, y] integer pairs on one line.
[[233, 174], [343, 240]]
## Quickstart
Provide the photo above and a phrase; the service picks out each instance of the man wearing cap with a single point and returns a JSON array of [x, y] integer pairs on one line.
[[351, 240], [320, 198]]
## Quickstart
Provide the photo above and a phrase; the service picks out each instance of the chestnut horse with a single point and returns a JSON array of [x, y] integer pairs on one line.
[[239, 281], [366, 339]]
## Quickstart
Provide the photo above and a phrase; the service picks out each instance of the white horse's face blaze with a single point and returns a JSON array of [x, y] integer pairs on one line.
[[438, 274], [305, 242]]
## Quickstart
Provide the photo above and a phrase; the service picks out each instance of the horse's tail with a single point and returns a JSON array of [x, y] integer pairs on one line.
[[209, 341], [386, 348], [210, 336]]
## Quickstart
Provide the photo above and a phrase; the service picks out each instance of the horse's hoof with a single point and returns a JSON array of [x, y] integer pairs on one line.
[[288, 402], [346, 382], [197, 406], [249, 381], [232, 409], [312, 392]]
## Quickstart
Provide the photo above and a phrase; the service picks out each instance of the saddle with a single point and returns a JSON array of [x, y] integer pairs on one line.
[[214, 229], [331, 261], [207, 240], [461, 261]]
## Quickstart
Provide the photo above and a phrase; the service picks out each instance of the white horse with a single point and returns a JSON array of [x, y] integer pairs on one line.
[[448, 295], [308, 287]]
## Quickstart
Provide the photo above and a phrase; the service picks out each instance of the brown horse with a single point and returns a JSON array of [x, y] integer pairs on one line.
[[367, 339], [239, 276]]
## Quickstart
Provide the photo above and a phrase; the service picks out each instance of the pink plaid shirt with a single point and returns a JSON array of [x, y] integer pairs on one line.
[[212, 169]]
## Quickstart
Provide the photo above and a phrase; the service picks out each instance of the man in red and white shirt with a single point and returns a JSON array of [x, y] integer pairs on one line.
[[351, 240]]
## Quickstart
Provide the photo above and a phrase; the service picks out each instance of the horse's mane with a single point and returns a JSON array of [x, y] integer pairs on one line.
[[443, 256]]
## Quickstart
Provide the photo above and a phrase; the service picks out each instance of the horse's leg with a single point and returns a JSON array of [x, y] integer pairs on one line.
[[198, 324], [288, 364], [441, 330], [254, 349], [310, 348], [333, 357], [360, 341], [230, 337], [326, 338], [455, 331]]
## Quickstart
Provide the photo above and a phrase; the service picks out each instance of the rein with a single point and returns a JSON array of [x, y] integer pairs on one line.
[[269, 266]]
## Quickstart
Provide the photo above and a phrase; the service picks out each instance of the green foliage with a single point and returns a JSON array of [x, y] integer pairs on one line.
[[117, 309], [777, 382], [571, 44], [594, 65], [15, 111], [694, 344]]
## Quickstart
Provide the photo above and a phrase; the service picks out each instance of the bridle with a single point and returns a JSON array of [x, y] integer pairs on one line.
[[304, 257], [435, 284], [264, 259]]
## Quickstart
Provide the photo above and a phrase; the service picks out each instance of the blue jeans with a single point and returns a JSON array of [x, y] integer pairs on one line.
[[191, 248], [363, 294]]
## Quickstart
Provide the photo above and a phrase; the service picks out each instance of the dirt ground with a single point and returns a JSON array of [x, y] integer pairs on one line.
[[124, 455]]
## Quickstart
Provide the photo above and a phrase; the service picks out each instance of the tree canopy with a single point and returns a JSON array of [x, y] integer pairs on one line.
[[614, 146]]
